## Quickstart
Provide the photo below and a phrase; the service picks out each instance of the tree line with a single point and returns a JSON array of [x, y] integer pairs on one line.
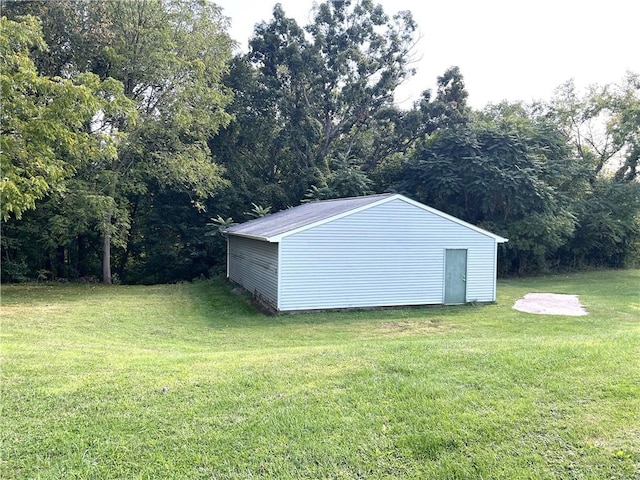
[[131, 132]]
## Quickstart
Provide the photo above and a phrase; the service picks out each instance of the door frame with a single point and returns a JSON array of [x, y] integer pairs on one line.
[[444, 275]]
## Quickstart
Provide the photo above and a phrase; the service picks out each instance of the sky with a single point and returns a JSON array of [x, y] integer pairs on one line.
[[506, 49]]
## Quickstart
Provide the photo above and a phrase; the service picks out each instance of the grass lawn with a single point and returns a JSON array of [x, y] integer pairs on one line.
[[188, 381]]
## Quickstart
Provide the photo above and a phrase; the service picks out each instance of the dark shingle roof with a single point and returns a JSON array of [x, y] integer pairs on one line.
[[301, 216]]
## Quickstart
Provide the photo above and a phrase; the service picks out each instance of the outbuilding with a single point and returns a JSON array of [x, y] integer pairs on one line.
[[370, 251]]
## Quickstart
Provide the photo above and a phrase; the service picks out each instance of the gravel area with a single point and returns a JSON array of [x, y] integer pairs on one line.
[[550, 304]]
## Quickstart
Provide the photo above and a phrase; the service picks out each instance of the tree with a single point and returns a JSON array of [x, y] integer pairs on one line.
[[252, 147], [45, 122], [449, 108], [507, 169], [308, 106], [395, 134], [76, 32], [170, 56], [608, 231], [603, 124], [604, 127], [625, 126], [326, 87]]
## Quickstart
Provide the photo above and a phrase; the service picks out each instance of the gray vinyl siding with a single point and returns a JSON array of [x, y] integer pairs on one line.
[[389, 254], [254, 265]]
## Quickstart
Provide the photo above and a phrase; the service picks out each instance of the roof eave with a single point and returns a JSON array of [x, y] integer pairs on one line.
[[253, 237]]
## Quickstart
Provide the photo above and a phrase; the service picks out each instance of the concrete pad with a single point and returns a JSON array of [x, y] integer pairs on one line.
[[550, 304]]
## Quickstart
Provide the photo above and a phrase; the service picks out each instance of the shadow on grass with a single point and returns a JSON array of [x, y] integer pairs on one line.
[[224, 303]]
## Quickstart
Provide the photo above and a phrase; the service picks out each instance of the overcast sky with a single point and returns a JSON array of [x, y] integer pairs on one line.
[[506, 49]]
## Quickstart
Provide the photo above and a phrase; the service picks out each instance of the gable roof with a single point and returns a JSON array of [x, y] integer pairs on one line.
[[273, 227]]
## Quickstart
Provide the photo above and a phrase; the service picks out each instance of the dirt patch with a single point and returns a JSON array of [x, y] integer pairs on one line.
[[551, 304], [409, 327]]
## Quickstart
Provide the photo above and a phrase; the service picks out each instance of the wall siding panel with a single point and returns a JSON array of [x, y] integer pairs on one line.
[[254, 265], [390, 254]]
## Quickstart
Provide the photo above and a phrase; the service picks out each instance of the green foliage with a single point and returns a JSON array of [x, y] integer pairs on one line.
[[306, 98], [221, 224], [252, 148], [217, 241], [13, 272], [76, 32], [136, 122], [171, 56], [507, 169], [44, 135], [346, 179], [257, 211], [167, 241], [603, 125], [624, 127], [608, 233], [449, 108], [159, 101]]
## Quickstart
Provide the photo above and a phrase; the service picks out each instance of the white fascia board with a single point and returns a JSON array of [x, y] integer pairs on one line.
[[277, 238], [252, 237]]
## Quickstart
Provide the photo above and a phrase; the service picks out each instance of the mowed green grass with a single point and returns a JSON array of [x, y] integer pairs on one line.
[[188, 381]]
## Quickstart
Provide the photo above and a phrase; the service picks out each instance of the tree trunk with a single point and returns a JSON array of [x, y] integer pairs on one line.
[[106, 251], [106, 234]]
